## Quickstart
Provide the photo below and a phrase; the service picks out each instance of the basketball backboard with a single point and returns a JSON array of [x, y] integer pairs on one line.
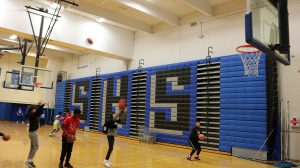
[[266, 28], [12, 82], [29, 76]]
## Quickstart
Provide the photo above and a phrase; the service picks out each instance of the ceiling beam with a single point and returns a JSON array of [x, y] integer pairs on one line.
[[201, 6], [143, 6], [111, 16], [67, 45]]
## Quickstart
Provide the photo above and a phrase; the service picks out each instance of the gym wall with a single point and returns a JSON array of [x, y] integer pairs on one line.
[[232, 108]]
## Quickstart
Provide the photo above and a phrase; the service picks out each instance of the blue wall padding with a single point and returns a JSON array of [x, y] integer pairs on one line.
[[242, 79], [8, 111], [245, 95], [237, 68], [244, 106], [244, 123], [234, 127], [238, 85], [59, 97], [227, 145], [14, 108], [244, 117], [5, 111], [243, 102], [244, 89], [193, 100]]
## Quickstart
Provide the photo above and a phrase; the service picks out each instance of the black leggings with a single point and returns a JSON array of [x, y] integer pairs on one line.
[[196, 147], [66, 150], [111, 141]]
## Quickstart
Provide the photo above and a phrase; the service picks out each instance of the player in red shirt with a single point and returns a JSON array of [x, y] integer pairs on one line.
[[68, 137]]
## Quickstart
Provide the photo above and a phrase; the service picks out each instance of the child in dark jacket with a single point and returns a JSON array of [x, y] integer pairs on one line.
[[112, 125], [194, 141]]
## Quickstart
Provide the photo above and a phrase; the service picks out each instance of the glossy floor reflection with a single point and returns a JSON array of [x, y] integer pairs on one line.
[[90, 149]]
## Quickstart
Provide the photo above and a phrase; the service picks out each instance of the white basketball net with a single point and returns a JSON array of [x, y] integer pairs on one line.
[[250, 57]]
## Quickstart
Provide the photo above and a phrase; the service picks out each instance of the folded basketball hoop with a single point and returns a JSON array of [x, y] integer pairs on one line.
[[250, 57]]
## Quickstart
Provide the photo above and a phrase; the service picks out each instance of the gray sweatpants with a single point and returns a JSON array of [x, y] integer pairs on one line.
[[34, 146]]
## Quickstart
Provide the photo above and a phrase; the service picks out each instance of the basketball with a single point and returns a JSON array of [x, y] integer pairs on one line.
[[71, 138], [90, 41], [6, 137], [122, 104], [201, 137]]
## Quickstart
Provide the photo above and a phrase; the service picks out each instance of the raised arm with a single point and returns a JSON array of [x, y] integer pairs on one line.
[[40, 109], [118, 115]]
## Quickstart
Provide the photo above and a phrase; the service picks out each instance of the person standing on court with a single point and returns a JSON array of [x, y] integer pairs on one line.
[[34, 113], [194, 141], [111, 126], [56, 124], [68, 137], [20, 116]]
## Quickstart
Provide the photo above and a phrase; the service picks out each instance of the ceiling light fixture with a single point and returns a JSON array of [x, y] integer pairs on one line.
[[101, 20], [54, 5], [13, 37]]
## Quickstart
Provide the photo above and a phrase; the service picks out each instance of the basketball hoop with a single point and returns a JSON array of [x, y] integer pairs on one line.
[[37, 84], [250, 57]]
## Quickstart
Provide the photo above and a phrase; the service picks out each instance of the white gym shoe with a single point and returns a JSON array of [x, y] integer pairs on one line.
[[106, 163], [109, 163]]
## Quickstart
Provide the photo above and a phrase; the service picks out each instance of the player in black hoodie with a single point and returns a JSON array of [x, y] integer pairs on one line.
[[194, 141], [34, 113]]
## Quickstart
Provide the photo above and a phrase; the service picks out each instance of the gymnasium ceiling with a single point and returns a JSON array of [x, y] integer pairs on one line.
[[144, 15], [52, 50], [139, 15]]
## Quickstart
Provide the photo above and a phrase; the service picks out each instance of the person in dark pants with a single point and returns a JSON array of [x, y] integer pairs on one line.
[[20, 116], [34, 113], [69, 129], [194, 141], [112, 125]]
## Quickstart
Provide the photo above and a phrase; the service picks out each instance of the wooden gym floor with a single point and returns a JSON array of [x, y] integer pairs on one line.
[[90, 149]]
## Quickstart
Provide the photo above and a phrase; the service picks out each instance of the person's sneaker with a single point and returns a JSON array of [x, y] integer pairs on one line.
[[189, 158], [106, 163], [68, 165], [50, 135], [196, 157], [109, 163], [30, 164]]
